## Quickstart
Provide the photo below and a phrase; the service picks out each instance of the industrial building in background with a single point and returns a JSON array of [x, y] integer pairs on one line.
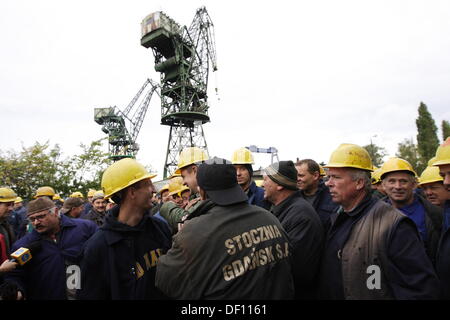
[[183, 56]]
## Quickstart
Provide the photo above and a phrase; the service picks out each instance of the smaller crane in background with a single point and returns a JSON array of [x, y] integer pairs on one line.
[[271, 150], [122, 127]]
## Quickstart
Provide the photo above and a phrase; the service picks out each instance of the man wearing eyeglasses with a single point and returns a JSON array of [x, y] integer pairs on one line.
[[53, 272]]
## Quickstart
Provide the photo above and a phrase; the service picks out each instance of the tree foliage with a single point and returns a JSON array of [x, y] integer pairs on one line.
[[376, 153], [445, 129], [43, 165], [427, 139], [408, 150]]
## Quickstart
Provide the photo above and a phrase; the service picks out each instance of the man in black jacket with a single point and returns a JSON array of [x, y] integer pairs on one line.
[[227, 248], [300, 221], [313, 189], [119, 261]]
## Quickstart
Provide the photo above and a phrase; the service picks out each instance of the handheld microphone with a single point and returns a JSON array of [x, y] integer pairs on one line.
[[23, 255]]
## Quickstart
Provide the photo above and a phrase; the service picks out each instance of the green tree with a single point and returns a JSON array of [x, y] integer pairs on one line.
[[85, 170], [408, 150], [41, 165], [427, 139], [445, 129], [33, 167], [376, 153]]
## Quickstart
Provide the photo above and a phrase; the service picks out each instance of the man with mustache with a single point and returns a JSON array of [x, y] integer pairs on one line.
[[46, 276]]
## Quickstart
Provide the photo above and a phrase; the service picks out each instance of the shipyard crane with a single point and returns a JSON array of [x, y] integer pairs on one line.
[[122, 127], [183, 56], [271, 150]]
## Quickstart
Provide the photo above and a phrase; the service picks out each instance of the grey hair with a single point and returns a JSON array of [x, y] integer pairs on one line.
[[364, 175], [53, 211]]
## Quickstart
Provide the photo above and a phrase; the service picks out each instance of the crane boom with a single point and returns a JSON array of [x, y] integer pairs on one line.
[[122, 141]]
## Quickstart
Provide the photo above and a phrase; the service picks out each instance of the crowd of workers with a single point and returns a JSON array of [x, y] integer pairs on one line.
[[346, 230]]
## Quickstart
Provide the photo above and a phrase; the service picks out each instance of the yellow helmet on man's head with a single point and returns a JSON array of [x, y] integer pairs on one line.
[[350, 156], [164, 188], [176, 186], [76, 194], [91, 193], [396, 164], [322, 172], [190, 155], [429, 175], [7, 195], [122, 174], [242, 156], [443, 154], [376, 175], [44, 191]]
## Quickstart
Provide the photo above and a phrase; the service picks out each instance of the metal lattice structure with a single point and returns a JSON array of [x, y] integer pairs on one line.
[[271, 150], [183, 57], [122, 127]]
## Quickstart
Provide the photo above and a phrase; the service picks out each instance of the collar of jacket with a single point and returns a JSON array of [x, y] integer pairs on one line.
[[252, 188], [64, 223], [366, 201], [278, 209], [117, 231]]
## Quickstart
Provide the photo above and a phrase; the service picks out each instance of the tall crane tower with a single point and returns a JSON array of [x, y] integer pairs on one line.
[[183, 57], [122, 127]]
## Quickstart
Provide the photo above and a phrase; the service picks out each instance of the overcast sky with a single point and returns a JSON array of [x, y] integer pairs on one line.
[[301, 76]]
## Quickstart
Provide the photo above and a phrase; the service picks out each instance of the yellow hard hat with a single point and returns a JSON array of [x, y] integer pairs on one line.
[[18, 200], [376, 175], [350, 156], [259, 183], [443, 153], [190, 156], [76, 194], [183, 189], [164, 188], [175, 185], [7, 195], [56, 197], [175, 175], [322, 172], [91, 193], [429, 175], [242, 156], [122, 174], [45, 191], [396, 164], [431, 161]]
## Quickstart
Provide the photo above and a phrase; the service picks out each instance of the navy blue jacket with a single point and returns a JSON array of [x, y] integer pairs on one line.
[[255, 196], [16, 218], [119, 261], [87, 207], [443, 255], [324, 205], [44, 276]]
